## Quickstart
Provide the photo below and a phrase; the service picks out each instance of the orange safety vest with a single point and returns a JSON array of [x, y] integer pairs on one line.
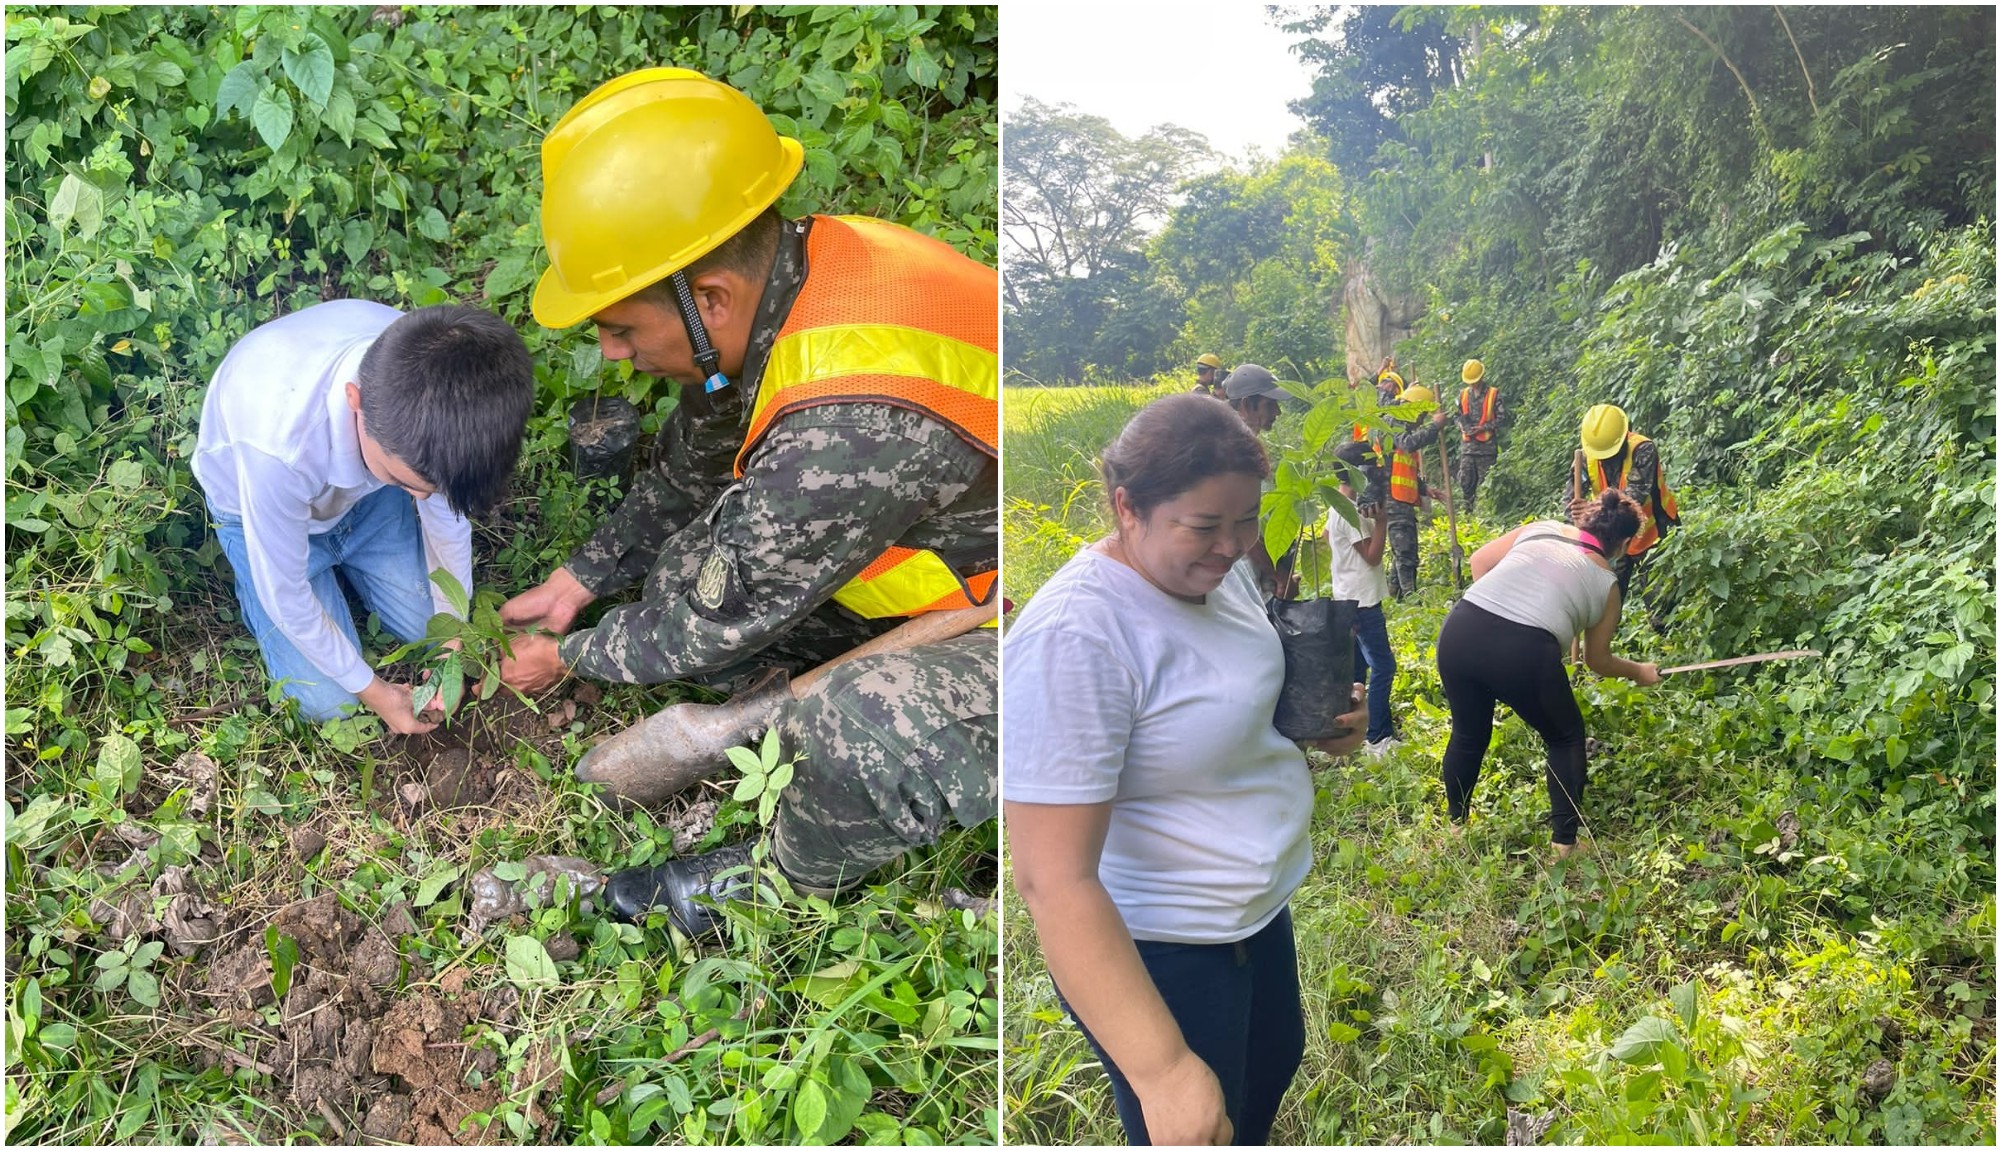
[[888, 315], [1663, 505], [1403, 476], [1485, 415]]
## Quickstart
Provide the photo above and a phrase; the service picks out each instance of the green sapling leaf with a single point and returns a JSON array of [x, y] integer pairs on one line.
[[454, 592]]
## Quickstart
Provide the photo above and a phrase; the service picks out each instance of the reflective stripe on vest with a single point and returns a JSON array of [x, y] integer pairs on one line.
[[1662, 501], [888, 315], [900, 577], [1485, 415]]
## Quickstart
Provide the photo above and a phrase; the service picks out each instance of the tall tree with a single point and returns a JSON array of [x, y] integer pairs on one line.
[[1080, 200]]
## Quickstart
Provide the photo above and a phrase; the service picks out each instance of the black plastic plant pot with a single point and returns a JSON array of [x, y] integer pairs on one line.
[[602, 431], [1318, 637]]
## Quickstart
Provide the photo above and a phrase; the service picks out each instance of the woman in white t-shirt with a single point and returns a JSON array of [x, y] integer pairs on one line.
[[1534, 591], [1157, 822]]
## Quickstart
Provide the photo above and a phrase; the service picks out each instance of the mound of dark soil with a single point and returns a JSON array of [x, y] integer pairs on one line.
[[378, 1064]]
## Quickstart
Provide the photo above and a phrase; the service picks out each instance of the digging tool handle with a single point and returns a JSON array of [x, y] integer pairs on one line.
[[1451, 518], [1741, 659], [930, 627]]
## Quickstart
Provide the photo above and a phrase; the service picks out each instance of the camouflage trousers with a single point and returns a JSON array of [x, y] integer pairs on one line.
[[1402, 547], [893, 749], [1474, 461]]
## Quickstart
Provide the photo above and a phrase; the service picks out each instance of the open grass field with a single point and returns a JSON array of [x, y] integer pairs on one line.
[[1759, 945]]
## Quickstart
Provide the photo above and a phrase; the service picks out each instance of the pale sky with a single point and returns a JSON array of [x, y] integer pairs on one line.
[[1136, 64]]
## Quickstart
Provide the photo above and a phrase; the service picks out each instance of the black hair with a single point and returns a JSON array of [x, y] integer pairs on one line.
[[1172, 445], [1613, 517], [447, 390], [748, 253]]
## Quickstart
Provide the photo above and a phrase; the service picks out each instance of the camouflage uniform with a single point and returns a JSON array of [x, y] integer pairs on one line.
[[1475, 459], [736, 570], [1402, 517]]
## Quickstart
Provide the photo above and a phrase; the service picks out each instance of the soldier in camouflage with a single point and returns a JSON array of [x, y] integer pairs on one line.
[[1479, 446], [1412, 437], [737, 572]]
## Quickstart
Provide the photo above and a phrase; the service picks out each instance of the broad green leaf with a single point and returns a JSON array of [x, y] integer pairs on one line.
[[310, 65], [77, 201], [749, 787], [144, 986], [284, 953], [451, 687], [434, 884], [117, 768], [340, 114], [767, 753], [745, 760], [1686, 1004], [1641, 1042], [43, 813], [528, 962], [238, 90], [357, 238], [421, 697], [432, 225], [61, 1036], [272, 116], [510, 274], [923, 67], [809, 1108], [127, 475], [454, 592], [780, 777]]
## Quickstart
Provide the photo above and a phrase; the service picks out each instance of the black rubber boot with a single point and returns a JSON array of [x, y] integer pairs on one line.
[[672, 887]]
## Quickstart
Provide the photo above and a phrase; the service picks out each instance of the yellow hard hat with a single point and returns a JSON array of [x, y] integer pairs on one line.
[[1210, 361], [1473, 372], [1392, 377], [1604, 429], [645, 175], [1417, 394]]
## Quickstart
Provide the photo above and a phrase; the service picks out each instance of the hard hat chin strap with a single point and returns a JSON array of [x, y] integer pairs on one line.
[[705, 356]]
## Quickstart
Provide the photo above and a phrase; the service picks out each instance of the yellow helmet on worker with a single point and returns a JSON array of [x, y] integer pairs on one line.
[[1604, 428], [644, 176], [1210, 360], [1389, 376], [1417, 394], [1473, 372]]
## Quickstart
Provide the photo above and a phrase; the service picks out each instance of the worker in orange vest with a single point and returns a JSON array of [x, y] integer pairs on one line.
[[1480, 414], [1403, 448], [1612, 455], [830, 471]]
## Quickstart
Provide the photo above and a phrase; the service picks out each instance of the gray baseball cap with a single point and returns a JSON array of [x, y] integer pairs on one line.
[[1250, 380]]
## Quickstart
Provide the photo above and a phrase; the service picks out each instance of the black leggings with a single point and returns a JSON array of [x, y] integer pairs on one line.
[[1482, 659]]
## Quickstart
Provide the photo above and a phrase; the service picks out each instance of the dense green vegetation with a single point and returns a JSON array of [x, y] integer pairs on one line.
[[1765, 233], [177, 176]]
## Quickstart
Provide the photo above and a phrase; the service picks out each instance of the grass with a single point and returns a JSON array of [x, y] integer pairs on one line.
[[1697, 976], [873, 1018]]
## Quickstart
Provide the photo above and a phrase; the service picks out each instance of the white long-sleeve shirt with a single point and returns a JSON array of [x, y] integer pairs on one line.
[[279, 450]]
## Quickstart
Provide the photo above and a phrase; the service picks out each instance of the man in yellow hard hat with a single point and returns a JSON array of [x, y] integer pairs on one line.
[[829, 472], [1480, 414], [1612, 455], [1208, 375], [1404, 448]]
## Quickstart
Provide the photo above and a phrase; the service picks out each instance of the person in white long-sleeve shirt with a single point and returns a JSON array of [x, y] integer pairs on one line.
[[352, 437]]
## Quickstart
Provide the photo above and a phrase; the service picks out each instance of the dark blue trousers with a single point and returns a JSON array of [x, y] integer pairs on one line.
[[1371, 635], [1238, 1008]]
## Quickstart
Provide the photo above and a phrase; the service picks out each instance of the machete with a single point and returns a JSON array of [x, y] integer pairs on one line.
[[1767, 656]]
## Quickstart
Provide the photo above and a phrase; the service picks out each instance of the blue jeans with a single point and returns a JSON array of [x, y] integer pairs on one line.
[[1371, 633], [1238, 1007], [377, 543]]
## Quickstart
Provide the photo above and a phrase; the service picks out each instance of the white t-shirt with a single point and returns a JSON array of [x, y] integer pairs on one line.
[[279, 450], [1353, 577], [1113, 691], [1545, 581]]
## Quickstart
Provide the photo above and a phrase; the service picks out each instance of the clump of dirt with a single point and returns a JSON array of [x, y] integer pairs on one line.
[[376, 1064]]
